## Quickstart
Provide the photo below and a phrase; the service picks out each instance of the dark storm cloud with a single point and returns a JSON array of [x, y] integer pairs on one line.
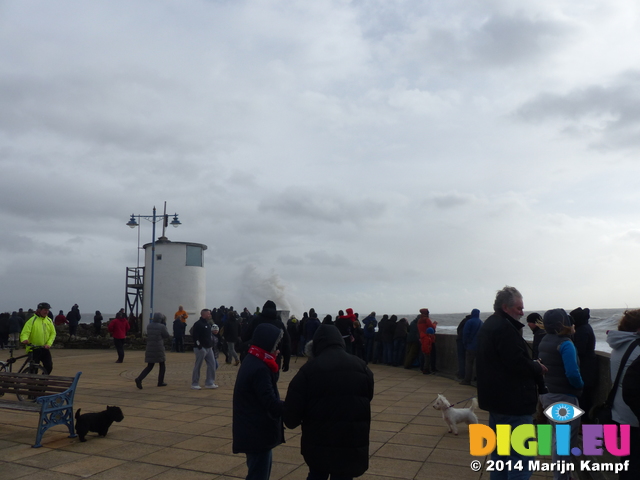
[[610, 112]]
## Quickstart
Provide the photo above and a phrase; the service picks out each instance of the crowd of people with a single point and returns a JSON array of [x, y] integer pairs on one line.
[[514, 379], [390, 341]]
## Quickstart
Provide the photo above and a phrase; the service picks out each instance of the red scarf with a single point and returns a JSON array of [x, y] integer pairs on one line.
[[265, 356]]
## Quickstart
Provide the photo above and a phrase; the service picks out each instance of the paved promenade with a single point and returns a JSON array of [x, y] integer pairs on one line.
[[178, 433]]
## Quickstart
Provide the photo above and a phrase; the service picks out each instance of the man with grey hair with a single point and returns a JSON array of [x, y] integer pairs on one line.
[[507, 386]]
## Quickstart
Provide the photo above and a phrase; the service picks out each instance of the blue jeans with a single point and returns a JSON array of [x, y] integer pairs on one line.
[[514, 421], [259, 465]]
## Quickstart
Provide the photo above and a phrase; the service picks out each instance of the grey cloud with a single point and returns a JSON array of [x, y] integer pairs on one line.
[[435, 49], [12, 243], [317, 258], [503, 40], [290, 260], [127, 111], [451, 200], [323, 207], [611, 112], [324, 258]]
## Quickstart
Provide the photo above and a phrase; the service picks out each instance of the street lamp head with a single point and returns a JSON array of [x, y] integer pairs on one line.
[[132, 222], [175, 222]]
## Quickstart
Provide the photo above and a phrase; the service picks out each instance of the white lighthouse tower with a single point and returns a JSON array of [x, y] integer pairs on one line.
[[179, 279]]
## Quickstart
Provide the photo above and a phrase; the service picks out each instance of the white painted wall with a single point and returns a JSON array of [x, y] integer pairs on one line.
[[175, 283]]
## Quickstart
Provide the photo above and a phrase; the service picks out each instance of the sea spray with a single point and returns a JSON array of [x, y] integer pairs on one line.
[[257, 287]]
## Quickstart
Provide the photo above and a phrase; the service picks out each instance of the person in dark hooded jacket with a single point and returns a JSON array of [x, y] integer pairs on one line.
[[585, 341], [330, 397], [257, 408], [270, 315]]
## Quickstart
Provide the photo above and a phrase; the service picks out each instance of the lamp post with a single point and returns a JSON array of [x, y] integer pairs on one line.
[[153, 219]]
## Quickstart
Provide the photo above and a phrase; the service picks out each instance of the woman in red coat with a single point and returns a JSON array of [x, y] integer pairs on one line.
[[118, 328]]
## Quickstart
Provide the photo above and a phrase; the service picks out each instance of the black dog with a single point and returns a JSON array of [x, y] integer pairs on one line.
[[97, 422]]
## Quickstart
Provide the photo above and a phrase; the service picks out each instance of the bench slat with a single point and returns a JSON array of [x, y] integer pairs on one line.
[[16, 405], [54, 403], [33, 385]]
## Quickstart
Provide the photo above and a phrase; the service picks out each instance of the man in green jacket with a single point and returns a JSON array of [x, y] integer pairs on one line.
[[40, 332]]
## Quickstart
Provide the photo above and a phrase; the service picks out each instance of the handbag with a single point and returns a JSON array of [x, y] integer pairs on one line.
[[603, 413]]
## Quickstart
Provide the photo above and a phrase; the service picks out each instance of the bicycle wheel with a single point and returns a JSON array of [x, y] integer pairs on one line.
[[33, 369]]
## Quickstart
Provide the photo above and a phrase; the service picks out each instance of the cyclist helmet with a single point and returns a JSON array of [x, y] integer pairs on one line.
[[44, 305]]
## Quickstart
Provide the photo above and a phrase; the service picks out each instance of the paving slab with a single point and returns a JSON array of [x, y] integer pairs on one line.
[[176, 433]]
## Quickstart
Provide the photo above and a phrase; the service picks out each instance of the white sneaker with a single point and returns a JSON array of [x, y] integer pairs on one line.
[[196, 387], [211, 386]]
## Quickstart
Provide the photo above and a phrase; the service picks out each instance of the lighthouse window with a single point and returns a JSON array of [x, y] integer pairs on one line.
[[194, 256]]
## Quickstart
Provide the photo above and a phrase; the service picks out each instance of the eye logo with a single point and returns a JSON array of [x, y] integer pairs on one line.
[[562, 412]]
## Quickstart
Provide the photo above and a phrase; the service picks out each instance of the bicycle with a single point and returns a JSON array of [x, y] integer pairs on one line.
[[29, 366]]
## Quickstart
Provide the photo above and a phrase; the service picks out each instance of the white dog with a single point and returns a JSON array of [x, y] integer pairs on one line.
[[453, 416]]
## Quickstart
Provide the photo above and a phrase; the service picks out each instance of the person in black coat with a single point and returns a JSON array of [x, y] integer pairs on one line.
[[74, 318], [534, 320], [179, 329], [270, 315], [294, 335], [585, 341], [330, 397], [257, 408], [507, 375], [460, 350], [231, 334], [97, 323]]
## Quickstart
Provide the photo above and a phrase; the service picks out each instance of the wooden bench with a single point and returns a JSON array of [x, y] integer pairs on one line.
[[53, 399]]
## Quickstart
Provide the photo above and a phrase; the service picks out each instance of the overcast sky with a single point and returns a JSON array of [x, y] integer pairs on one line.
[[381, 155]]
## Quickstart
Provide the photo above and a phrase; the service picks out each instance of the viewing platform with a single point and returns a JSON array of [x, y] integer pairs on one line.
[[177, 433]]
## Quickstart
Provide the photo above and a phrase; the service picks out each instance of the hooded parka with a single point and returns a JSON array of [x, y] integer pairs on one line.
[[156, 333], [330, 396], [257, 408]]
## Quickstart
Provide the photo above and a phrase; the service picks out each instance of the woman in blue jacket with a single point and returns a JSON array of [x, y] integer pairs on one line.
[[564, 382]]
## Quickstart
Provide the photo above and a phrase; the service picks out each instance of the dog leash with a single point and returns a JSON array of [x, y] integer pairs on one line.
[[461, 401]]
